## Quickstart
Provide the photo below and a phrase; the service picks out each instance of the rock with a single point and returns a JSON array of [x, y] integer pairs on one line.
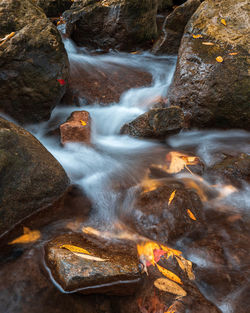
[[31, 62], [165, 4], [53, 8], [117, 24], [156, 123], [214, 94], [77, 128], [175, 24], [116, 272], [30, 177], [153, 216]]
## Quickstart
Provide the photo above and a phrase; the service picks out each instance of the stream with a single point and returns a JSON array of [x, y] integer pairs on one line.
[[108, 172]]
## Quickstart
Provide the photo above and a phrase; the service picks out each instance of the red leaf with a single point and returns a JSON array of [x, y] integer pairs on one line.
[[61, 82], [158, 253]]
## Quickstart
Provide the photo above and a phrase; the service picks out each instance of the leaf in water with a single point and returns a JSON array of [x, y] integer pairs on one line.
[[83, 123], [223, 21], [167, 285], [197, 36], [169, 274], [74, 249], [191, 215], [88, 257], [206, 43], [171, 198], [186, 266], [233, 53], [61, 82], [219, 59], [27, 237]]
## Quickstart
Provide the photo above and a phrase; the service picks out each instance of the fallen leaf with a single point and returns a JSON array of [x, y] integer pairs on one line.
[[27, 237], [146, 252], [61, 82], [171, 309], [233, 53], [219, 59], [170, 251], [7, 37], [171, 198], [208, 43], [191, 215], [223, 21], [197, 36], [83, 123], [169, 274], [186, 266], [88, 257], [167, 285], [74, 249]]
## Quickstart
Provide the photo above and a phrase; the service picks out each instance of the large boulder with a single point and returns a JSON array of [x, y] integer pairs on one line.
[[33, 62], [30, 177], [214, 91], [119, 24], [53, 8], [174, 26]]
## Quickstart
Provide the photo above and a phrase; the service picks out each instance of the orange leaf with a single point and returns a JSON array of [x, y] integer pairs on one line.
[[83, 123], [76, 249], [206, 43], [169, 274], [27, 237], [219, 59], [171, 198], [191, 215], [223, 21], [233, 53], [197, 36], [167, 285]]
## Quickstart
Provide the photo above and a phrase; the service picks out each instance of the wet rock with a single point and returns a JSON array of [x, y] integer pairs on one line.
[[77, 128], [165, 4], [115, 272], [175, 24], [118, 24], [156, 216], [156, 123], [53, 8], [216, 94], [97, 84], [31, 62], [30, 177]]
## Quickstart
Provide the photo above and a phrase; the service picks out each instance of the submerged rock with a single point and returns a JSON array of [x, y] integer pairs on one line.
[[156, 123], [215, 93], [77, 128], [118, 24], [105, 270], [33, 62], [53, 8], [174, 27], [30, 177]]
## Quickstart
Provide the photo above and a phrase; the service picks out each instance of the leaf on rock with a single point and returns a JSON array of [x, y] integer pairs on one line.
[[206, 43], [191, 215], [83, 123], [223, 21], [89, 257], [7, 37], [27, 237], [76, 249], [219, 59], [61, 82], [186, 266], [233, 53], [169, 274], [197, 36], [167, 285], [171, 198]]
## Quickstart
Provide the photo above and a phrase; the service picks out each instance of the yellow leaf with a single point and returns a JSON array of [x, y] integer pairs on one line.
[[219, 59], [27, 237], [191, 215], [83, 123], [171, 309], [186, 266], [88, 257], [170, 251], [171, 198], [206, 43], [6, 38], [233, 53], [167, 285], [73, 249], [169, 274], [146, 251], [223, 21], [197, 36]]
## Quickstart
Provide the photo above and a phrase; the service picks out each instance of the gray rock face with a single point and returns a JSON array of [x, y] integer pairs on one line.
[[31, 62], [156, 123], [117, 24], [109, 271], [30, 177], [216, 94]]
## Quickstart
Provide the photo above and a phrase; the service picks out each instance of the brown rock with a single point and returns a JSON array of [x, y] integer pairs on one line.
[[156, 123], [117, 273], [53, 8], [30, 177], [77, 128], [216, 94], [31, 62]]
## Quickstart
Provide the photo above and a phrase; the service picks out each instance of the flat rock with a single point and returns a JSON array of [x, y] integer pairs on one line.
[[116, 274]]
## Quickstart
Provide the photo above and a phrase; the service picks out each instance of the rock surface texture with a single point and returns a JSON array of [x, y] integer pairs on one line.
[[117, 24], [30, 177], [215, 93], [31, 62], [53, 8]]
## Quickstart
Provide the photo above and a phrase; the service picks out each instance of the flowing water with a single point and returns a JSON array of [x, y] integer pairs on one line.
[[110, 168]]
